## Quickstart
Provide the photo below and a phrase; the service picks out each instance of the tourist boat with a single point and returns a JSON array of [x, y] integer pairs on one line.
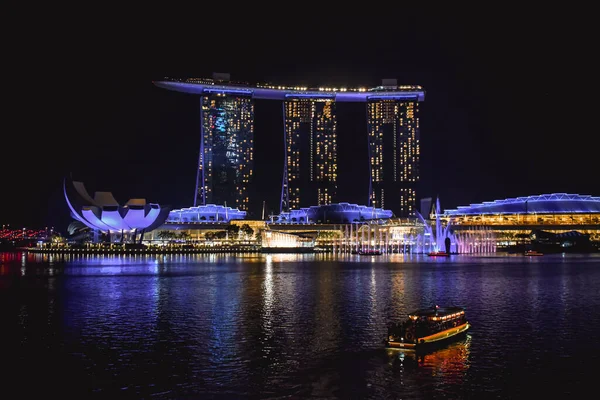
[[370, 252], [438, 254], [533, 253], [427, 327]]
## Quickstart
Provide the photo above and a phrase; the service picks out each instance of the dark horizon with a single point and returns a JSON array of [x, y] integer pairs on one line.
[[506, 113]]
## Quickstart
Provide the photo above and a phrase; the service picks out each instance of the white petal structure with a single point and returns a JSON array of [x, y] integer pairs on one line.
[[102, 212]]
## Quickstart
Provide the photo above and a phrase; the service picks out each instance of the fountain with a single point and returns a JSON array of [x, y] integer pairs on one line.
[[438, 237], [381, 236], [475, 240]]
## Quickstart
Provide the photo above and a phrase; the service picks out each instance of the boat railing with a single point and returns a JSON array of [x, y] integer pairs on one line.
[[428, 327]]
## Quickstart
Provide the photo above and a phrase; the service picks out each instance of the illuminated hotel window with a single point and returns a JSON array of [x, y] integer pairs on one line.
[[394, 154], [310, 131], [227, 126]]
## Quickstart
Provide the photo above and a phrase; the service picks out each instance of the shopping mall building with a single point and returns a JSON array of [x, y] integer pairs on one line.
[[515, 220]]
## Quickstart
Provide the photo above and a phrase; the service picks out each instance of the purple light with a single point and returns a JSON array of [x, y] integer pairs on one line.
[[229, 91], [339, 212], [310, 96], [95, 221], [204, 214], [103, 213], [556, 203], [137, 219], [282, 94]]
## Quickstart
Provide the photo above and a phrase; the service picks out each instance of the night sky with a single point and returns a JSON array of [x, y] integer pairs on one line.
[[509, 108]]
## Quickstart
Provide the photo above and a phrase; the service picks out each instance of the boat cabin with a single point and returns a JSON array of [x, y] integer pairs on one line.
[[429, 321], [437, 314]]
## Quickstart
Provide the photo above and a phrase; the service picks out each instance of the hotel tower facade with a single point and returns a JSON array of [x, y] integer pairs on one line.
[[310, 170], [310, 175], [394, 152], [225, 164]]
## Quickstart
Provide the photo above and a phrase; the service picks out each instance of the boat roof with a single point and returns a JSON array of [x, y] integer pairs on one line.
[[437, 311]]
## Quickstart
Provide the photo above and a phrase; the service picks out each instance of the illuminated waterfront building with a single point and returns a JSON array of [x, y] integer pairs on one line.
[[273, 240], [310, 166], [103, 214], [332, 213], [209, 213], [394, 152], [310, 174], [514, 219], [225, 163]]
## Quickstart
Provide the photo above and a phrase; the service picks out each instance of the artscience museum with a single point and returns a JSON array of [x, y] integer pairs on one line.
[[103, 214]]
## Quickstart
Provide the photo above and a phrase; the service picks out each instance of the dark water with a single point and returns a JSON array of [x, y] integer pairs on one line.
[[294, 326]]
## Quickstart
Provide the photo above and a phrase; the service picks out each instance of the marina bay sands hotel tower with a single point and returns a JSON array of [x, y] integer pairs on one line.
[[225, 164]]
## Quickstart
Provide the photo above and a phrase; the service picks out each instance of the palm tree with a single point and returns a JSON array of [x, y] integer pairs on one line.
[[232, 231], [258, 236], [184, 236], [164, 235], [209, 235], [247, 230]]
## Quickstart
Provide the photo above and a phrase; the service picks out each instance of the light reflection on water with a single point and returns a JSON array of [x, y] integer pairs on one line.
[[298, 325]]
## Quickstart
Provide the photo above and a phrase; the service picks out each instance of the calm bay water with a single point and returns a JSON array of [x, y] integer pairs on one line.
[[295, 326]]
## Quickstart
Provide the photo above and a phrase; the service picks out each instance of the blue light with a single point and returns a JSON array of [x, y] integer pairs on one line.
[[555, 203], [209, 213], [393, 97], [310, 96], [136, 214], [416, 93], [220, 122], [228, 91], [332, 213]]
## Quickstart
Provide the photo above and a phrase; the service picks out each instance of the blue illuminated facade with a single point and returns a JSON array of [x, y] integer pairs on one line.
[[271, 92], [339, 213], [556, 203], [310, 138], [205, 214], [226, 150], [102, 213]]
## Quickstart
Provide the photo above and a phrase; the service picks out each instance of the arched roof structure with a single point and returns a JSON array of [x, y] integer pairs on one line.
[[555, 203]]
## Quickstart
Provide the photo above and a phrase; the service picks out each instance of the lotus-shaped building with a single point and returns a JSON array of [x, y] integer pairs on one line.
[[103, 213]]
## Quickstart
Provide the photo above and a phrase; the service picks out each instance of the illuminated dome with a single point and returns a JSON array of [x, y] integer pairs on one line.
[[556, 203], [103, 213], [332, 213], [207, 213]]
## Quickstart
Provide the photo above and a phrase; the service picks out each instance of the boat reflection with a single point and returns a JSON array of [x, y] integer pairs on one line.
[[451, 360]]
